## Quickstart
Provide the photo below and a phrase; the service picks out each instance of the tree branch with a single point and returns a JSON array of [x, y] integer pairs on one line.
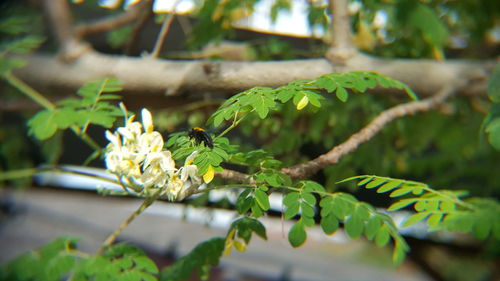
[[342, 46], [333, 156], [368, 132], [113, 22], [165, 27], [146, 76], [59, 16]]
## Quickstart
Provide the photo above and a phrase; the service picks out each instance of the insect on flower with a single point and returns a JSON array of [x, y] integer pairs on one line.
[[200, 135]]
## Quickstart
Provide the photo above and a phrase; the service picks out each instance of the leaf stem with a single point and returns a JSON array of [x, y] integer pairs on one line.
[[47, 104], [112, 237], [233, 125], [29, 91]]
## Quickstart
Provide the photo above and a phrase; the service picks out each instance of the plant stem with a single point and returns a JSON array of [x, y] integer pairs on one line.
[[44, 102], [233, 125], [27, 90], [111, 238]]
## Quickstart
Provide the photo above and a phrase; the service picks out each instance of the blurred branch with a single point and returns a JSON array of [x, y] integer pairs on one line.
[[342, 46], [165, 27], [333, 156], [59, 16], [139, 25], [113, 22], [142, 75], [368, 132]]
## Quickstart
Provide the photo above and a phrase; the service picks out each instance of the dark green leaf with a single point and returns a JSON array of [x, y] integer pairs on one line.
[[262, 199], [297, 234], [329, 224], [494, 84]]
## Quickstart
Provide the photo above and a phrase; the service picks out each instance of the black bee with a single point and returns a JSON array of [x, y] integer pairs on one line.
[[200, 135]]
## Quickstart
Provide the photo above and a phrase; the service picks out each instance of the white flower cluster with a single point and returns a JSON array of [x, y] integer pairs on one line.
[[136, 155]]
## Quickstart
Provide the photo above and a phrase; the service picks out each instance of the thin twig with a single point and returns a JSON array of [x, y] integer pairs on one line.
[[368, 132], [342, 46], [44, 102], [112, 22], [165, 27], [138, 27], [333, 156], [111, 238]]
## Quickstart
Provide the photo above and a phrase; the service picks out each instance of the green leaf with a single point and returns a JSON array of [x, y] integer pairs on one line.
[[51, 262], [365, 181], [435, 219], [493, 89], [329, 224], [493, 130], [307, 210], [375, 183], [42, 125], [309, 198], [262, 199], [415, 218], [354, 227], [427, 21], [297, 234], [204, 254], [372, 227], [401, 204], [341, 94], [290, 198], [401, 191], [447, 206], [382, 237], [389, 186], [292, 210]]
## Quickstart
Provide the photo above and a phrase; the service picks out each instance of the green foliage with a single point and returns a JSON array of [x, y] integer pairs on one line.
[[118, 37], [17, 42], [279, 6], [204, 255], [215, 19], [492, 120], [60, 258], [51, 262], [182, 146], [117, 262], [357, 217], [443, 209], [414, 16], [91, 108], [302, 92], [240, 233], [255, 200]]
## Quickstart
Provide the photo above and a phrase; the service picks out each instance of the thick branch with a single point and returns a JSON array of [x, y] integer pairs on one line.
[[143, 75], [342, 46], [59, 15], [369, 131]]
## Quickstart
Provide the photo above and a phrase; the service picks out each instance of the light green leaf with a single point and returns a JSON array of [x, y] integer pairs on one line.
[[415, 218], [342, 94], [354, 227], [382, 237], [389, 186], [375, 183], [494, 84], [401, 204]]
